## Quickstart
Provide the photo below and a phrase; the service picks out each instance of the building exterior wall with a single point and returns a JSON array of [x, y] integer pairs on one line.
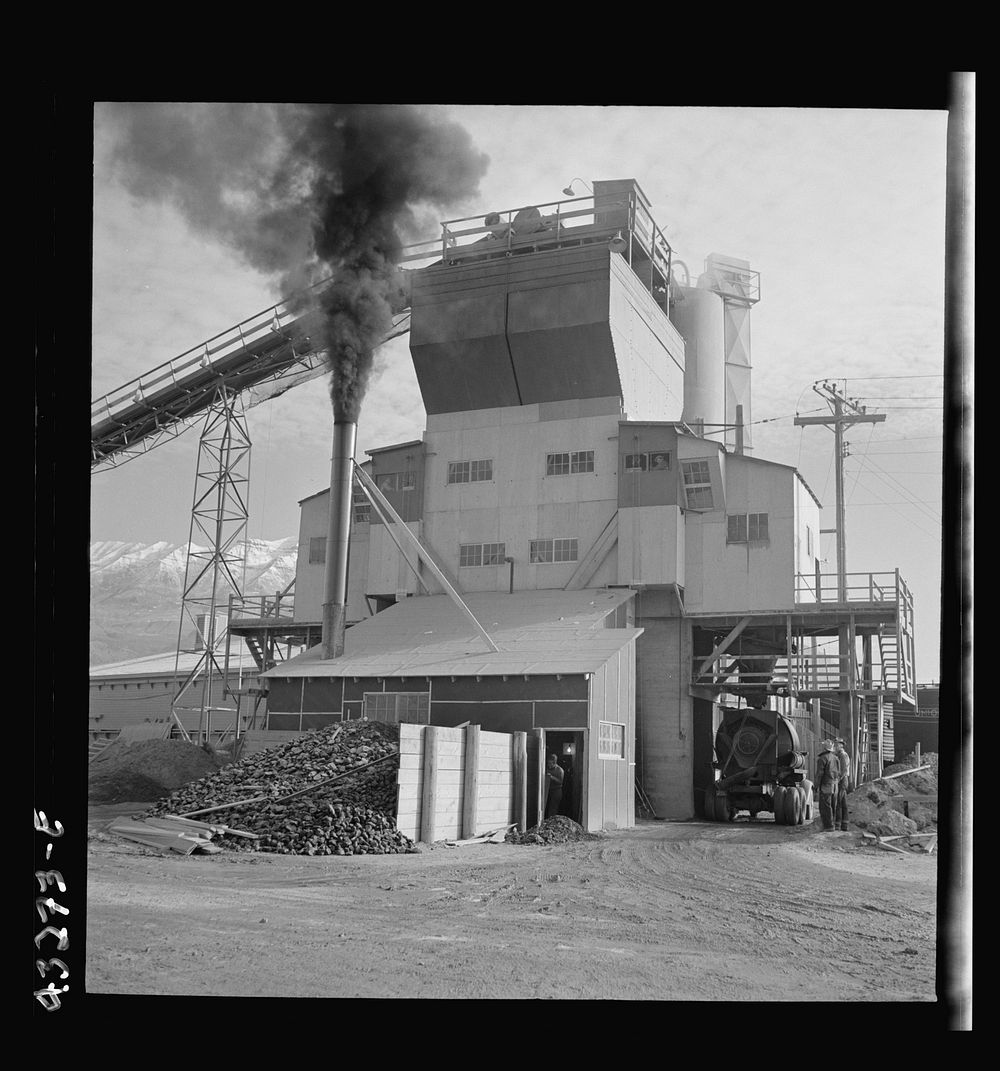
[[562, 324], [649, 350], [120, 701], [665, 709], [758, 574], [522, 502], [610, 787], [807, 521]]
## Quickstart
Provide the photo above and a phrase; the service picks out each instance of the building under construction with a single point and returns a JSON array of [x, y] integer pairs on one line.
[[582, 546]]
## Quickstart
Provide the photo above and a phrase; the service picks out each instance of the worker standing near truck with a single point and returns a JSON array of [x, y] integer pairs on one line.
[[827, 780], [843, 785]]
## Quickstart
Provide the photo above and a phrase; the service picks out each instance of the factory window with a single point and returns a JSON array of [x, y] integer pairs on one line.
[[655, 462], [396, 707], [544, 551], [746, 528], [611, 741], [471, 554], [574, 461], [362, 508], [636, 462], [697, 484], [317, 550], [470, 471], [396, 481]]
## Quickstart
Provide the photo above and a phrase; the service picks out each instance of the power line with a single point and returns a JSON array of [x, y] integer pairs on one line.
[[909, 520], [899, 486], [910, 438], [867, 379], [911, 499]]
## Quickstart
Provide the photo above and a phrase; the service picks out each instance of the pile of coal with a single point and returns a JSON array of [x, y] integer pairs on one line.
[[555, 830], [354, 815]]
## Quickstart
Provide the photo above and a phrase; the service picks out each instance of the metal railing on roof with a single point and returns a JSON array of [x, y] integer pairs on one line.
[[553, 225]]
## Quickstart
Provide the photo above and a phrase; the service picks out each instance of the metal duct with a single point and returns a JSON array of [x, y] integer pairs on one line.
[[338, 538]]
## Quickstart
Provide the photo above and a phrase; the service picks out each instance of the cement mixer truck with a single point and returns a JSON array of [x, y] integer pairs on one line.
[[758, 767]]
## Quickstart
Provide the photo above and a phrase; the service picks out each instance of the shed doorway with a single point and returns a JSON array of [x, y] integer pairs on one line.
[[567, 746]]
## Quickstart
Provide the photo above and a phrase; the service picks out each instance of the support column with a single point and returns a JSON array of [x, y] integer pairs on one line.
[[428, 795], [470, 786]]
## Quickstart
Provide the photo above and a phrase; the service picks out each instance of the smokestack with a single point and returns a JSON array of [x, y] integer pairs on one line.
[[345, 433]]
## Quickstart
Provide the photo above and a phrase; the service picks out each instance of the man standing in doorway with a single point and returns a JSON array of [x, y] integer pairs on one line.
[[827, 780], [840, 798], [553, 785]]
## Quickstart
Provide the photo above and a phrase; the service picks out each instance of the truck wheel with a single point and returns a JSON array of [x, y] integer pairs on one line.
[[792, 807], [779, 805], [724, 811], [710, 804]]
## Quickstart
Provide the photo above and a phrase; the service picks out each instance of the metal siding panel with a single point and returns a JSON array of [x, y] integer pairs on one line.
[[571, 715]]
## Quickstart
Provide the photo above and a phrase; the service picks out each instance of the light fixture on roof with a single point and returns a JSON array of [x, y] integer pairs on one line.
[[569, 191], [618, 244]]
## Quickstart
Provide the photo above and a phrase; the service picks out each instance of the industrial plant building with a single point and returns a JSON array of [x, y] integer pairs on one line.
[[586, 483], [582, 545]]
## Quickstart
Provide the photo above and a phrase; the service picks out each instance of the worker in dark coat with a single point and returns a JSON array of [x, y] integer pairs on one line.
[[843, 785], [827, 781], [554, 785]]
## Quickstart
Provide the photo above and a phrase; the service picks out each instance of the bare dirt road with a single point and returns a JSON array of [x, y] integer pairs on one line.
[[666, 911]]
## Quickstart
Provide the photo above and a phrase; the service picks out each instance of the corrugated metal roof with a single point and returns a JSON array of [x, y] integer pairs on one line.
[[162, 665], [537, 632]]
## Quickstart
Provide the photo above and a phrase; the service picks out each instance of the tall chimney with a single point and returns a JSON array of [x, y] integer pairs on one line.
[[345, 434]]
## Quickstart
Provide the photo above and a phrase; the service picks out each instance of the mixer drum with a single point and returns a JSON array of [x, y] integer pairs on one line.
[[744, 732]]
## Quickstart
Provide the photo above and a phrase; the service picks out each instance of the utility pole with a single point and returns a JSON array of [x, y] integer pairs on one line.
[[846, 413]]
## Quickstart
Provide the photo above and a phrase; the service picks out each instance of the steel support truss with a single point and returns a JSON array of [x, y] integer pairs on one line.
[[216, 561]]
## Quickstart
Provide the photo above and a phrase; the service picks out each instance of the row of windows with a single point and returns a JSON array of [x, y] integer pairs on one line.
[[540, 552], [396, 707], [658, 462], [470, 471], [472, 554], [396, 481], [559, 464], [565, 464], [746, 527]]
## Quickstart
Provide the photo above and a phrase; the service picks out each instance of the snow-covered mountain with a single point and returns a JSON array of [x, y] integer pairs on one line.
[[136, 588]]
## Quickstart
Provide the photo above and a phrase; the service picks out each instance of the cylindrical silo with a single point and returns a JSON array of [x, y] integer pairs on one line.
[[698, 315]]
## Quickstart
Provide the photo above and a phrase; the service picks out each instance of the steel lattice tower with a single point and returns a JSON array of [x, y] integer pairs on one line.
[[219, 517]]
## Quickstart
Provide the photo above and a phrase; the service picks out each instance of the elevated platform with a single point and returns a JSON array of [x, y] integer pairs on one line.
[[788, 652]]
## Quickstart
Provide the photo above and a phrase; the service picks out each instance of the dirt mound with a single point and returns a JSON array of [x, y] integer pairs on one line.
[[554, 830], [147, 769], [125, 785], [886, 805]]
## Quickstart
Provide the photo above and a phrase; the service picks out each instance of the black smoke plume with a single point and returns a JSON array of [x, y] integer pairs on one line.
[[303, 192]]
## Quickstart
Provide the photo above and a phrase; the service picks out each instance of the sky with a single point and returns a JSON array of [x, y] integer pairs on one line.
[[840, 210]]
